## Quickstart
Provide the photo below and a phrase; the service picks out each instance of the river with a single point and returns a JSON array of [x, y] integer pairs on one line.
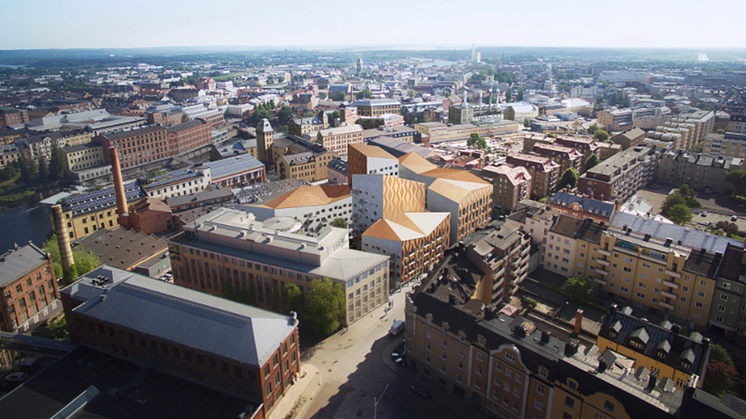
[[24, 222]]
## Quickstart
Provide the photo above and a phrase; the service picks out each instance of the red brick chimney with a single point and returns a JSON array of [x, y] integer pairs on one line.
[[119, 188], [578, 321]]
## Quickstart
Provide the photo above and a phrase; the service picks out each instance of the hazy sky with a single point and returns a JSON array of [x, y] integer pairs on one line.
[[570, 23]]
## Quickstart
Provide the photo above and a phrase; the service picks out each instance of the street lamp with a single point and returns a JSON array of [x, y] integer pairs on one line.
[[378, 400]]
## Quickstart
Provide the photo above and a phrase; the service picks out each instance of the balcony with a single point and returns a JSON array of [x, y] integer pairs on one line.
[[673, 273], [599, 281], [604, 252], [666, 305], [669, 295], [525, 251], [501, 272], [671, 284], [602, 262], [601, 272]]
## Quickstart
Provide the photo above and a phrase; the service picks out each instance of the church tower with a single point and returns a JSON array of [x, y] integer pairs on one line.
[[265, 135]]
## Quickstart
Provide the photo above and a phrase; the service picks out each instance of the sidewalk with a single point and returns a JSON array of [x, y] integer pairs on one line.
[[292, 404]]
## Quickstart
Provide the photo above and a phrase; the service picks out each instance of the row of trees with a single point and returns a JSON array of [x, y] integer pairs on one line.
[[39, 170], [84, 261], [722, 374], [320, 308]]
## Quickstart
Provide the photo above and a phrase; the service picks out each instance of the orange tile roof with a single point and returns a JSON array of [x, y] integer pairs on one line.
[[416, 163], [455, 174], [305, 196], [370, 151]]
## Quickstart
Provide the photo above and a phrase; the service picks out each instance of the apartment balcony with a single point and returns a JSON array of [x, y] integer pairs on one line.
[[501, 272], [673, 273], [666, 305], [671, 284], [602, 262], [498, 284], [525, 251], [601, 272], [599, 281], [604, 252], [669, 295]]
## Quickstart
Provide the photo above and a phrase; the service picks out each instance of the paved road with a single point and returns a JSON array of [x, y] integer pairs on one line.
[[354, 372]]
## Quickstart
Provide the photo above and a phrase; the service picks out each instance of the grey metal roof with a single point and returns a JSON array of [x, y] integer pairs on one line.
[[16, 263], [201, 321], [200, 196], [234, 165], [590, 205], [641, 335], [693, 239]]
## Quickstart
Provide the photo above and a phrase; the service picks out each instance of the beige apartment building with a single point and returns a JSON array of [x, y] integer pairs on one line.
[[673, 275], [84, 156], [336, 140], [729, 144], [700, 171]]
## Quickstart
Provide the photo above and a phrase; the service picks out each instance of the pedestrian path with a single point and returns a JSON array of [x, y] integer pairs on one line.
[[298, 395]]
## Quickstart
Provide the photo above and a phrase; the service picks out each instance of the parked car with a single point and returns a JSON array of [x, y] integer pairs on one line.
[[397, 327], [422, 391], [16, 377], [704, 213], [734, 218]]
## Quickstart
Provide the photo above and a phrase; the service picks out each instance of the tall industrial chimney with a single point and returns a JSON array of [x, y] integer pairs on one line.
[[116, 171], [578, 321], [63, 241]]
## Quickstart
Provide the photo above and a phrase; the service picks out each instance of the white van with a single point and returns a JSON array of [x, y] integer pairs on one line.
[[397, 327]]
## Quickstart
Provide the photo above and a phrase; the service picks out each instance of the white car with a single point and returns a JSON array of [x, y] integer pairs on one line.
[[16, 377]]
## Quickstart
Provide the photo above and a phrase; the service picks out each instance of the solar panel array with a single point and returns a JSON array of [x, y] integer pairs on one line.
[[101, 199], [168, 175], [233, 165], [172, 180]]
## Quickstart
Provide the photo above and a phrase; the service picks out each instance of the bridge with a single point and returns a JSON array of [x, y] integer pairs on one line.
[[34, 345]]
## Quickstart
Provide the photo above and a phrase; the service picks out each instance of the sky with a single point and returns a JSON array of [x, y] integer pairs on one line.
[[441, 23]]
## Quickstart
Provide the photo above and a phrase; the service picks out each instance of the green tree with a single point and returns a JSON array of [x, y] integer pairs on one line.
[[57, 165], [364, 94], [52, 330], [339, 223], [43, 168], [680, 214], [27, 167], [509, 95], [293, 300], [737, 178], [580, 290], [569, 178], [721, 354], [325, 304], [284, 115], [591, 161], [527, 123], [476, 141], [601, 135], [671, 201], [698, 148], [85, 261], [411, 93], [593, 128], [519, 96]]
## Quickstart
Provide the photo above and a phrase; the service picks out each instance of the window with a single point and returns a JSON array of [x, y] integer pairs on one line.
[[510, 356], [724, 297], [540, 389], [609, 406], [480, 357], [569, 402], [539, 405], [479, 370]]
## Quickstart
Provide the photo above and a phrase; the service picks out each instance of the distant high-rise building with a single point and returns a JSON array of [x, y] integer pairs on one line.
[[359, 65], [473, 53]]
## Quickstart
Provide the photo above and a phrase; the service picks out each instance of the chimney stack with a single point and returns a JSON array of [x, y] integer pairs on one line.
[[63, 240], [578, 321], [116, 171]]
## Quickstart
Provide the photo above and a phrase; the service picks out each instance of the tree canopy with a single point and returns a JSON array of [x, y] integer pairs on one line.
[[737, 178], [569, 178], [698, 148], [527, 123], [339, 223], [325, 304], [364, 94], [476, 141], [601, 135], [580, 290], [591, 161], [680, 214]]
